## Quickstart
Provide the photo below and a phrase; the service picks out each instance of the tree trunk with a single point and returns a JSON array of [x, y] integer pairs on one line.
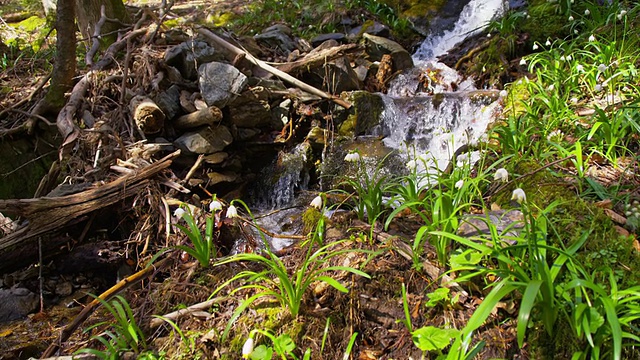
[[64, 68], [89, 15]]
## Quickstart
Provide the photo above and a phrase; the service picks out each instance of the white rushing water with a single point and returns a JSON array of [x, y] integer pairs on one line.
[[431, 110]]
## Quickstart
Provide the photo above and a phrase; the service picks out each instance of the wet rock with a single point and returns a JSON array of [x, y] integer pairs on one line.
[[16, 303], [187, 55], [372, 28], [207, 140], [220, 83], [244, 134], [339, 37], [277, 37], [337, 76], [376, 46], [281, 113], [364, 114]]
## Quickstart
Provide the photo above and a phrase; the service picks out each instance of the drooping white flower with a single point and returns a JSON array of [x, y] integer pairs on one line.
[[503, 93], [551, 87], [523, 62], [574, 100], [623, 13], [215, 205], [316, 202], [598, 88], [602, 67], [569, 57], [587, 12], [592, 38], [232, 212], [535, 47], [548, 43], [501, 175], [247, 348], [555, 135], [352, 157], [489, 35], [571, 18], [562, 58], [459, 184], [579, 68], [411, 165], [519, 195], [179, 212]]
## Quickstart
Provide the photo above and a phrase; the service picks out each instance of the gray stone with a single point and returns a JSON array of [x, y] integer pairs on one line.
[[16, 303], [169, 101], [220, 83], [337, 76], [316, 41], [251, 109], [275, 37], [187, 55], [207, 140], [377, 46]]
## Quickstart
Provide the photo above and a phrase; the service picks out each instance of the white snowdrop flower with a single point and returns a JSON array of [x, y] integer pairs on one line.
[[548, 43], [575, 31], [179, 212], [232, 212], [636, 214], [215, 205], [572, 1], [626, 89], [523, 62], [247, 348], [352, 157], [562, 58], [580, 68], [459, 184], [519, 195], [628, 213], [571, 18], [411, 165], [551, 87], [574, 100], [592, 38], [569, 57], [535, 47], [503, 93], [555, 134], [623, 12], [587, 12], [519, 82], [489, 35], [316, 202], [602, 67], [501, 175], [528, 16], [598, 88]]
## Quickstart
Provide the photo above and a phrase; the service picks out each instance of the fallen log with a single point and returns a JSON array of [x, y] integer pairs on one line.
[[239, 53], [207, 116], [46, 215], [314, 60]]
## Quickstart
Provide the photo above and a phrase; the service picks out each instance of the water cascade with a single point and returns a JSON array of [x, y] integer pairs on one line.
[[431, 108]]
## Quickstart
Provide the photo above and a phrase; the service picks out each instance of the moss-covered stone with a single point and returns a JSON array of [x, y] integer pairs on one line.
[[364, 114]]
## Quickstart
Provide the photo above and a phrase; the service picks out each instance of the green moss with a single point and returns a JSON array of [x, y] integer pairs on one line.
[[364, 114], [310, 219]]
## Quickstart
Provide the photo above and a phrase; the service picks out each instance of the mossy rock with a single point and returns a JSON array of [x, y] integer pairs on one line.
[[364, 115]]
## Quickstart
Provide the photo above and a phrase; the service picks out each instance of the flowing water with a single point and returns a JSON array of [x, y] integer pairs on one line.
[[435, 119], [431, 109]]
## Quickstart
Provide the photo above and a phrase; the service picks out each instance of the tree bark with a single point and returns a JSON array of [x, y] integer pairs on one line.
[[65, 60], [88, 12]]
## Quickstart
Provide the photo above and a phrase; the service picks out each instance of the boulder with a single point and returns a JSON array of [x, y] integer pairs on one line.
[[364, 115], [370, 27], [376, 46], [169, 101], [186, 55], [207, 140], [220, 83], [16, 303]]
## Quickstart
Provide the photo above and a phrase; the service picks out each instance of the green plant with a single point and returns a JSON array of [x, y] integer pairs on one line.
[[124, 335], [203, 247], [368, 188], [282, 345], [274, 280]]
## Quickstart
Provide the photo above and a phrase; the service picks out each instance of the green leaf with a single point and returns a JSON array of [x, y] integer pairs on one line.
[[528, 301], [284, 344], [261, 353], [430, 338]]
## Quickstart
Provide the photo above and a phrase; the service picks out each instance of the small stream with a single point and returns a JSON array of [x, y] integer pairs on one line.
[[433, 117]]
